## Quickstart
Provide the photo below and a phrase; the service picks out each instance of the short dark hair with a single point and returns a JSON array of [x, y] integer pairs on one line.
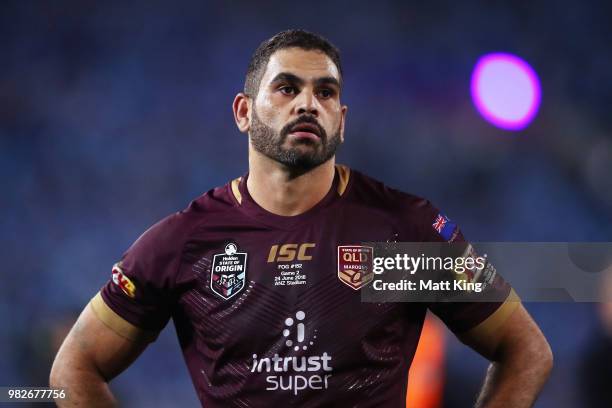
[[286, 39]]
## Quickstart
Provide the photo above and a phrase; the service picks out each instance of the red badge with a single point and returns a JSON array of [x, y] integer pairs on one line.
[[355, 265], [119, 279]]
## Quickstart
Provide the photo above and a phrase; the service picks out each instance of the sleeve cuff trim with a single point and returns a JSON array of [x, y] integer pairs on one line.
[[118, 324], [492, 323]]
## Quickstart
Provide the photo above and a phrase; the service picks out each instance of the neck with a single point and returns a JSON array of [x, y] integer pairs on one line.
[[281, 191]]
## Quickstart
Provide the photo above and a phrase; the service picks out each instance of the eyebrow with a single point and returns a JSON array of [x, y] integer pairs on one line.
[[294, 79]]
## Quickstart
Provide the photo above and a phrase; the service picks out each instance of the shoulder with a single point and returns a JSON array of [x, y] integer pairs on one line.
[[172, 231], [156, 255], [369, 191], [408, 211]]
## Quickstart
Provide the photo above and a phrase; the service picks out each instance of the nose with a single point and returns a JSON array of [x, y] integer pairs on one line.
[[306, 103]]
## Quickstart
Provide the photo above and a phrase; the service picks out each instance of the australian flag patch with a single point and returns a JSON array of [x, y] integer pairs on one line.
[[444, 226]]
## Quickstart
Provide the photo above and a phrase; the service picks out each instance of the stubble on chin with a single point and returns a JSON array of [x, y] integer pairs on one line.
[[273, 145]]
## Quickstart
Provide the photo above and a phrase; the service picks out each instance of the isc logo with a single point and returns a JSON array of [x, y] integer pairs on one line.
[[288, 252]]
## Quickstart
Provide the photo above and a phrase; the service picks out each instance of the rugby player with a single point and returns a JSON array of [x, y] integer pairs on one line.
[[251, 274]]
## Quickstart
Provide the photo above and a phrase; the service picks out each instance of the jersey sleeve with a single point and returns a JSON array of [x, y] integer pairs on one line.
[[137, 300], [464, 316]]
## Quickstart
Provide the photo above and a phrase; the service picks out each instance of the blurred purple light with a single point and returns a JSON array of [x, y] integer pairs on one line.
[[505, 90]]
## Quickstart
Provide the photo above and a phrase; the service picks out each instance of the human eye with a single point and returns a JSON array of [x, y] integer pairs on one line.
[[287, 90], [326, 93]]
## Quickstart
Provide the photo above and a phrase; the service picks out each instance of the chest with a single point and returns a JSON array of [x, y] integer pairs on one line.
[[262, 291]]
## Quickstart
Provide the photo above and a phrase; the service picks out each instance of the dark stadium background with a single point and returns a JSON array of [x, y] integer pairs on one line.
[[115, 114]]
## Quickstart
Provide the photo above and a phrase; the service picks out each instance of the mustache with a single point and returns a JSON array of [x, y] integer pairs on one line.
[[301, 120]]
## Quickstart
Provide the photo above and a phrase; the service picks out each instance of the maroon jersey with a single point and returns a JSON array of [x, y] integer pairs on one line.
[[263, 314]]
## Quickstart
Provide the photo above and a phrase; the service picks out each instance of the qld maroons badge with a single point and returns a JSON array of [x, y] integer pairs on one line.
[[228, 272], [355, 265]]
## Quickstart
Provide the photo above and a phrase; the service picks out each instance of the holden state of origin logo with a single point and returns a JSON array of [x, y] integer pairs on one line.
[[228, 272]]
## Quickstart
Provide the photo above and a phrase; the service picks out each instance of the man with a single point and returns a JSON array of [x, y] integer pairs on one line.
[[249, 272]]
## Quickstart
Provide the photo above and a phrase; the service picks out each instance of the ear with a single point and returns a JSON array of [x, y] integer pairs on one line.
[[343, 110], [242, 108]]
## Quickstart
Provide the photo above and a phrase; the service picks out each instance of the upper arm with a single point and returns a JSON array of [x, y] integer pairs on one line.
[[91, 345], [491, 321], [513, 329], [497, 324], [132, 307]]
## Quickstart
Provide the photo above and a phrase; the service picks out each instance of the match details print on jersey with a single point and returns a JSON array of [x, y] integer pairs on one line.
[[290, 261]]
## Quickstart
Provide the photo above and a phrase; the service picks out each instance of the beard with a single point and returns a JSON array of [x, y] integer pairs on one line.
[[304, 155]]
